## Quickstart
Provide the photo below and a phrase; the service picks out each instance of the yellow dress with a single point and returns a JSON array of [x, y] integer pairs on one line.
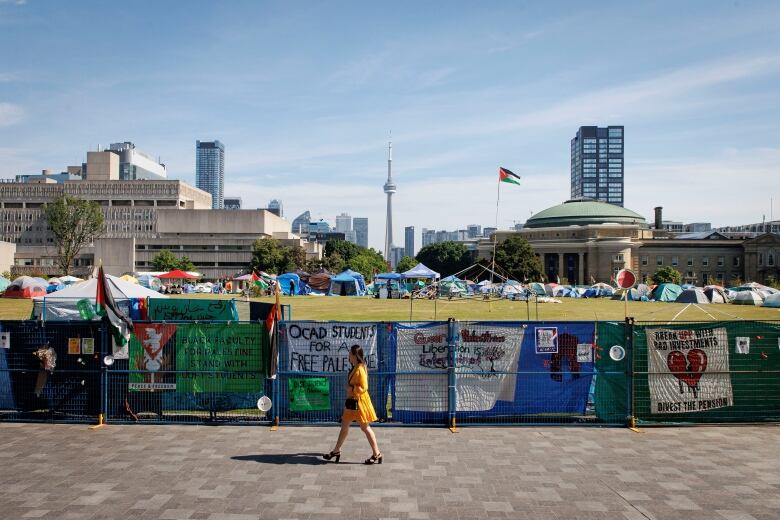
[[357, 388]]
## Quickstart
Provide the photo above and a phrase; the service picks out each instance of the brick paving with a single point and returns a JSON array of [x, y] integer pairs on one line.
[[247, 473]]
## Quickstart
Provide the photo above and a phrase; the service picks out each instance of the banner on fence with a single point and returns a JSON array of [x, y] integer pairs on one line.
[[688, 370], [486, 363], [215, 358], [324, 347], [308, 394], [152, 350], [180, 309], [422, 349]]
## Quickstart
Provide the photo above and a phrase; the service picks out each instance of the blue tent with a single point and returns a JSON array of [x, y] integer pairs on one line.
[[667, 292], [346, 284], [357, 276], [387, 276], [285, 281]]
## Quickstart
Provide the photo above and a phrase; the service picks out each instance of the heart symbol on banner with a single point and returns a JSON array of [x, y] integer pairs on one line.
[[688, 369]]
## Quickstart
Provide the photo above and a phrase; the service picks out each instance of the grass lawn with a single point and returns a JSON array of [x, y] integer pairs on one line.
[[370, 309]]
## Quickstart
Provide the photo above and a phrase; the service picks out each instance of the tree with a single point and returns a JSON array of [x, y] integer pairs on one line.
[[516, 256], [404, 264], [346, 250], [167, 261], [74, 223], [269, 255], [297, 256], [445, 257], [667, 274], [367, 263]]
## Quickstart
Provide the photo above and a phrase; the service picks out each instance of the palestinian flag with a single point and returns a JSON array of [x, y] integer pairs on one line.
[[119, 324], [273, 334], [505, 175]]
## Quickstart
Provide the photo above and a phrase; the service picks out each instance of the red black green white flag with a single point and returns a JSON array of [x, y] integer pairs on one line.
[[120, 324], [505, 175]]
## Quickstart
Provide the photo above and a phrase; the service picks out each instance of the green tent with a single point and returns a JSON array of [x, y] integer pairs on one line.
[[667, 292], [4, 283]]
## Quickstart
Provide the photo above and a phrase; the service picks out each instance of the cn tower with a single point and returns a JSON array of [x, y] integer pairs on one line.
[[389, 189]]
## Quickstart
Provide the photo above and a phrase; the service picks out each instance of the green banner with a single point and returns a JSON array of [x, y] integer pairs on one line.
[[219, 358], [185, 309], [308, 394]]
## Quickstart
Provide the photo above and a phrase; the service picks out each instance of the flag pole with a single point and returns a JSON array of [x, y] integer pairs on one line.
[[495, 233]]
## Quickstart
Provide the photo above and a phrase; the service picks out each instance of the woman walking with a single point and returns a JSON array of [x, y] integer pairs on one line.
[[358, 407]]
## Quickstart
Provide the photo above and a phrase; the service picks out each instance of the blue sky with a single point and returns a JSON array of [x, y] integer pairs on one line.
[[304, 94]]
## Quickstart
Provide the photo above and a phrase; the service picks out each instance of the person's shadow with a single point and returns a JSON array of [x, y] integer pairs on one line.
[[310, 459]]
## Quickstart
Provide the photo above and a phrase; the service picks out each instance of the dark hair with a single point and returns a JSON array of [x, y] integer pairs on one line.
[[357, 351]]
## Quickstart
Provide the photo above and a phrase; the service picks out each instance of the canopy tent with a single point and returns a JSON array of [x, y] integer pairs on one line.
[[177, 274], [63, 305], [345, 284], [4, 283], [693, 295], [773, 300], [26, 287], [715, 294], [749, 297], [387, 276], [421, 271], [667, 292]]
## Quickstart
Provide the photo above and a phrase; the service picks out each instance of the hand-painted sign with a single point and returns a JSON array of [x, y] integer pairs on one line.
[[180, 309], [688, 370], [152, 351], [422, 362], [324, 347], [308, 394]]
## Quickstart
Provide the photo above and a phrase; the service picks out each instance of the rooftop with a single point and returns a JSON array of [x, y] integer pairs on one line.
[[580, 212]]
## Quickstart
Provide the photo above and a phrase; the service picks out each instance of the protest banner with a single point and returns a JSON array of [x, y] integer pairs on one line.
[[308, 394], [324, 347], [421, 349], [152, 350], [688, 370], [180, 309]]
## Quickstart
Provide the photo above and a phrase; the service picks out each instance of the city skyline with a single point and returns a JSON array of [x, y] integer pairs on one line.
[[696, 94]]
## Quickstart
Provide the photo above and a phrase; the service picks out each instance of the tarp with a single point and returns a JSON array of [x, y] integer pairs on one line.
[[421, 271], [667, 292], [286, 280], [27, 287], [694, 295], [320, 281], [773, 300], [186, 309]]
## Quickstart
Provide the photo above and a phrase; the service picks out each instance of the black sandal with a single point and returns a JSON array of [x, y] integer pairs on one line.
[[374, 459], [331, 455]]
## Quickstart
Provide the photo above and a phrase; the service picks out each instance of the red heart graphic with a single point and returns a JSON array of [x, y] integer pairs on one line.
[[689, 370]]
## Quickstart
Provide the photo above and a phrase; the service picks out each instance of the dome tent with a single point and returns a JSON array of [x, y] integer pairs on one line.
[[773, 300], [26, 287], [693, 295], [667, 292], [286, 282], [345, 284]]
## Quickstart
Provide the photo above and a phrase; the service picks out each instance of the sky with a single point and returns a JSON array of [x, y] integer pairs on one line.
[[304, 96]]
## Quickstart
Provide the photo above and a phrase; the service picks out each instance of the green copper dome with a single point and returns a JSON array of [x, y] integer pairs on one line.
[[579, 212]]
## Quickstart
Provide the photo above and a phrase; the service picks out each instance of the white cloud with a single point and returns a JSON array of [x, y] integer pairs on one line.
[[10, 114]]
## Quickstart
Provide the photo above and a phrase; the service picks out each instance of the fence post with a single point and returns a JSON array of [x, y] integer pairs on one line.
[[628, 340], [275, 380], [104, 337], [451, 376]]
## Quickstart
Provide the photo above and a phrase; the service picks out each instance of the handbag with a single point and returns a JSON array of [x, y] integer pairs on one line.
[[351, 404]]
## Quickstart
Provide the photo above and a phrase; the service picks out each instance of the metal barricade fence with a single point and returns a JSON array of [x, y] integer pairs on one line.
[[712, 372], [62, 383], [191, 373]]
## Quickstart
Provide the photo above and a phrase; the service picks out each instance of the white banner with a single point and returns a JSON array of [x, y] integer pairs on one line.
[[324, 347], [688, 370], [483, 353], [422, 350]]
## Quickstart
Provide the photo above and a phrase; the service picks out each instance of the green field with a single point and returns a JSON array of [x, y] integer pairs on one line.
[[368, 309]]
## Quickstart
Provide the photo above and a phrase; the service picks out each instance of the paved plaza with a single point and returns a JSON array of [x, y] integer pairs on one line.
[[238, 473]]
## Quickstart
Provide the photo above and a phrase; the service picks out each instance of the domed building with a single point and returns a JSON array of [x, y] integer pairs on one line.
[[583, 241]]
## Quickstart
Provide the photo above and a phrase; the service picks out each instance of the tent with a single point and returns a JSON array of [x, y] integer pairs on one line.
[[452, 286], [129, 278], [644, 289], [149, 281], [177, 274], [421, 271], [345, 284], [357, 276], [715, 294], [243, 278], [537, 288], [63, 305], [320, 282], [286, 280], [54, 287], [694, 295], [630, 294], [773, 300], [749, 297], [68, 279], [26, 287], [667, 292], [549, 288], [4, 283]]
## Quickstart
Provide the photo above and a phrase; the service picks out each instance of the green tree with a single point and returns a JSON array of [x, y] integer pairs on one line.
[[74, 223], [333, 263], [270, 256], [445, 257], [516, 256], [167, 261], [667, 274], [404, 264], [367, 263], [297, 255], [346, 250]]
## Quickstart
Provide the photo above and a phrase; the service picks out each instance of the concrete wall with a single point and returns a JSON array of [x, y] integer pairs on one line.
[[7, 251], [117, 254], [102, 166], [256, 223]]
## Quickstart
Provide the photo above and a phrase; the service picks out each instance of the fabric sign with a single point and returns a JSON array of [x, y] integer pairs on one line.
[[308, 394], [324, 347], [181, 309], [422, 350]]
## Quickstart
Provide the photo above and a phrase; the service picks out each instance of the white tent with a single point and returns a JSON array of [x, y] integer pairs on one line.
[[63, 305], [421, 271]]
